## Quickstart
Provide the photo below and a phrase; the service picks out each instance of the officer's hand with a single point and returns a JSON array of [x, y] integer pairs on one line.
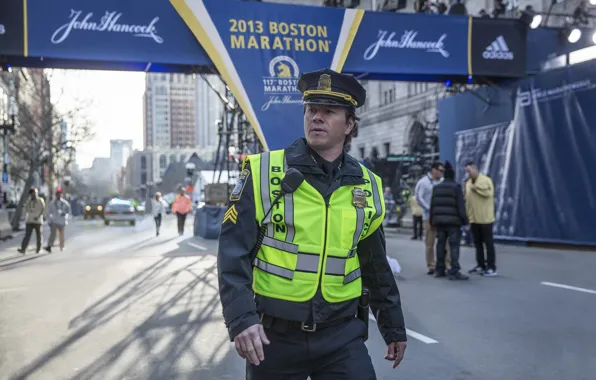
[[396, 352], [249, 344]]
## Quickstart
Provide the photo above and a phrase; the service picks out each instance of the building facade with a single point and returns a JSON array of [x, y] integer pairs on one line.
[[120, 151]]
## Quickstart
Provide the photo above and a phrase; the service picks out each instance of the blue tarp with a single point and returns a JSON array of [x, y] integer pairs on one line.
[[542, 163]]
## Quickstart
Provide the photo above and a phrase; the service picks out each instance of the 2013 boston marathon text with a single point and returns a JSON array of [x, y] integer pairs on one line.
[[272, 35]]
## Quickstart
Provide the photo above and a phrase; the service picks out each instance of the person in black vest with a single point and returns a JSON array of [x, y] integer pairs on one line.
[[448, 215]]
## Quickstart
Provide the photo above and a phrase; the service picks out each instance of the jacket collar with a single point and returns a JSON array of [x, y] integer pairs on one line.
[[298, 155]]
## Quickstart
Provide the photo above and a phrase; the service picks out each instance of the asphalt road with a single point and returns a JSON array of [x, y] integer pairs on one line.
[[120, 303]]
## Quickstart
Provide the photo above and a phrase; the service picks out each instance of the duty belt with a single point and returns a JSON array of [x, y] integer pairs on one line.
[[284, 325]]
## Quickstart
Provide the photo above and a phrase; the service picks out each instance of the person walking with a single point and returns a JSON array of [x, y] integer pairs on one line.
[[34, 209], [158, 209], [480, 206], [447, 216], [416, 218], [181, 206], [58, 213], [424, 191], [294, 257]]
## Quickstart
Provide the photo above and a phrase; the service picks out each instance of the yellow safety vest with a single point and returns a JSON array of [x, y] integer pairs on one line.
[[308, 242]]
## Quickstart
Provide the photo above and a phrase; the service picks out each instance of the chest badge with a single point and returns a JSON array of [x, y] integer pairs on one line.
[[359, 198]]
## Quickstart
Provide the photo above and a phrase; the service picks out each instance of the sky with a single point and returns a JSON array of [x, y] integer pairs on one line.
[[111, 101]]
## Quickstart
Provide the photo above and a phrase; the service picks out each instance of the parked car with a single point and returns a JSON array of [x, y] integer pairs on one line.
[[120, 210], [92, 210]]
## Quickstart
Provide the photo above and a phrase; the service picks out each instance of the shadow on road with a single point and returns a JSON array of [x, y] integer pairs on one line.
[[174, 302]]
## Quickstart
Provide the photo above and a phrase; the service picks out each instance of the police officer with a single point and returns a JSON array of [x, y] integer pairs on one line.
[[292, 265]]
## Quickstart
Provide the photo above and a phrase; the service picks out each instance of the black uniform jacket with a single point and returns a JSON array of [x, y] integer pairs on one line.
[[239, 235]]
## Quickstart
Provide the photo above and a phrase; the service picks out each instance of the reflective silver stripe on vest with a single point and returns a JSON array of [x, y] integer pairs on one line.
[[376, 198], [307, 263], [289, 211], [359, 227], [265, 191], [274, 269], [336, 266], [352, 276], [281, 245]]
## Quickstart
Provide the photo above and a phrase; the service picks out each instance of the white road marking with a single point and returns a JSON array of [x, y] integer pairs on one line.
[[569, 287], [197, 246], [8, 290], [412, 334]]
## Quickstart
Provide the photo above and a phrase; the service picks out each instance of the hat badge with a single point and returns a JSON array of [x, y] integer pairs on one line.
[[324, 82]]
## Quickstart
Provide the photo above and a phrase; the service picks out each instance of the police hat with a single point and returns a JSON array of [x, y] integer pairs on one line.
[[328, 87]]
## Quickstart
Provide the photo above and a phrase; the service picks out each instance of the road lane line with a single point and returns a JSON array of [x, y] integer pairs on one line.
[[569, 287], [7, 290], [197, 246], [412, 334]]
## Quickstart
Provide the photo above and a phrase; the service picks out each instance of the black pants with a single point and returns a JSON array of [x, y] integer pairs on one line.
[[417, 226], [181, 222], [448, 235], [334, 353], [29, 228], [483, 234], [157, 222]]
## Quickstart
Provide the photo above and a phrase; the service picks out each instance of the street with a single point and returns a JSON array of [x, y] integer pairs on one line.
[[120, 303]]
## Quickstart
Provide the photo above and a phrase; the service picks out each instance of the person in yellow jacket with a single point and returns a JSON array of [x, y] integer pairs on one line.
[[480, 207], [292, 265]]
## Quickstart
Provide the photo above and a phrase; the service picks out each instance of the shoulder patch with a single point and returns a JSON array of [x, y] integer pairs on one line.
[[231, 215], [239, 188]]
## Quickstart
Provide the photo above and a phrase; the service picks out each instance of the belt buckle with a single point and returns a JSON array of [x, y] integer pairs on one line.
[[308, 328]]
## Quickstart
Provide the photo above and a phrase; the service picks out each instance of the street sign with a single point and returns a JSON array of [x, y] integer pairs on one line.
[[4, 177]]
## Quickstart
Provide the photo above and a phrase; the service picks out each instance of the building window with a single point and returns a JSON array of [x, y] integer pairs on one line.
[[387, 147], [143, 163], [143, 178], [162, 161], [386, 98], [172, 158], [361, 149]]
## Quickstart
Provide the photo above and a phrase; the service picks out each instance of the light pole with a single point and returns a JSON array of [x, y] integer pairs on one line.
[[148, 202]]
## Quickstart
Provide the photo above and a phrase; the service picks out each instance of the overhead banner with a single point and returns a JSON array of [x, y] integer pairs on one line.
[[403, 43], [498, 47], [111, 30], [262, 49], [12, 28]]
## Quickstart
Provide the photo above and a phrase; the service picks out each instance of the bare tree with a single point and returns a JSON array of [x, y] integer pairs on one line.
[[39, 143]]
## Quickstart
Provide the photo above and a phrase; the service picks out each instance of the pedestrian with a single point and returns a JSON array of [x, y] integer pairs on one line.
[[158, 209], [447, 216], [34, 209], [58, 213], [416, 218], [480, 206], [424, 191], [181, 206], [292, 265]]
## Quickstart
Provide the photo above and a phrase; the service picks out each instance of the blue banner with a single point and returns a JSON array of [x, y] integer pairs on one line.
[[262, 49], [542, 162], [410, 44], [111, 30]]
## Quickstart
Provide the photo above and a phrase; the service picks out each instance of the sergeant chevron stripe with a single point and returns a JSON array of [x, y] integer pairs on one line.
[[231, 215]]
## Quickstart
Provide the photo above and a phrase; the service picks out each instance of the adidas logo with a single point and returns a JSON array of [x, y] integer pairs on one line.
[[498, 50]]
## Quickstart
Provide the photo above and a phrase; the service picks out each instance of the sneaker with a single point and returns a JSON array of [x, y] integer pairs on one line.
[[48, 249], [489, 273], [21, 250], [458, 276], [476, 270], [440, 274], [430, 272]]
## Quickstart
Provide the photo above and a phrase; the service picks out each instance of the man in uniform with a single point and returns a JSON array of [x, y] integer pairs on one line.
[[290, 303]]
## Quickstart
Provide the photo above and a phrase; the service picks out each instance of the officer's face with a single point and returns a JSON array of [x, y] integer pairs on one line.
[[326, 126]]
